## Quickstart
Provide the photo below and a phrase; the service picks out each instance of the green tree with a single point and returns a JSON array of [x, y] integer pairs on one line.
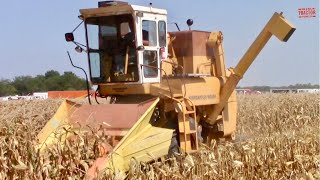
[[72, 81], [23, 84], [54, 83], [50, 81], [67, 81], [51, 73], [6, 88], [40, 83]]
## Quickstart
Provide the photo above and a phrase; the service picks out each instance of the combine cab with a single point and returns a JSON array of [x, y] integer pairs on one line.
[[169, 91]]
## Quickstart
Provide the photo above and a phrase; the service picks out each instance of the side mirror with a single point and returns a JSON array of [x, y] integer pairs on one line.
[[140, 48], [69, 37]]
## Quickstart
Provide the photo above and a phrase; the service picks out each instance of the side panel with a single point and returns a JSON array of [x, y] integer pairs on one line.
[[124, 89], [200, 90]]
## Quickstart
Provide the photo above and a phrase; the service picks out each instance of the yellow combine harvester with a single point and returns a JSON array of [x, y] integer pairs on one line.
[[169, 91]]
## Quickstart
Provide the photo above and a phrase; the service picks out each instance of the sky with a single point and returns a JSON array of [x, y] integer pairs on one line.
[[32, 36]]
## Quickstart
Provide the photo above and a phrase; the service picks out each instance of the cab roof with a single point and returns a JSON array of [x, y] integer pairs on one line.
[[108, 8]]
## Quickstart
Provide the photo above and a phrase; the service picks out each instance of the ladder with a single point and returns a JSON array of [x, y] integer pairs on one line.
[[188, 135]]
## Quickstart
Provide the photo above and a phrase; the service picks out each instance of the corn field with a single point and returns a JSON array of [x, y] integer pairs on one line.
[[278, 137]]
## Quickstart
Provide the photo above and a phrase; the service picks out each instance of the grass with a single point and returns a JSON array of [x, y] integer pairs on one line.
[[277, 138]]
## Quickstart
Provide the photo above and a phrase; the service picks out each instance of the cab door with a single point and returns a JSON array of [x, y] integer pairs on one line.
[[149, 58]]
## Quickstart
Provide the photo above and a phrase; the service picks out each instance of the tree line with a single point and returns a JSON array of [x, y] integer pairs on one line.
[[296, 86], [51, 81]]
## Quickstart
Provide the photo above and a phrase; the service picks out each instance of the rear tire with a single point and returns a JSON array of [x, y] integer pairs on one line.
[[172, 123], [174, 148]]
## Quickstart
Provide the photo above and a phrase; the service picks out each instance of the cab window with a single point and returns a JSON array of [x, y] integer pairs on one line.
[[162, 33], [111, 49], [150, 59], [149, 33]]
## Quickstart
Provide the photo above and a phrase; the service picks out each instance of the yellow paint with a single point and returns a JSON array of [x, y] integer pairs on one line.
[[211, 91], [54, 131], [277, 26], [143, 142]]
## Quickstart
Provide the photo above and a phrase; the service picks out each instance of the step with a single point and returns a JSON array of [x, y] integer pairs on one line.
[[189, 112], [190, 132], [181, 99], [178, 95], [192, 151]]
